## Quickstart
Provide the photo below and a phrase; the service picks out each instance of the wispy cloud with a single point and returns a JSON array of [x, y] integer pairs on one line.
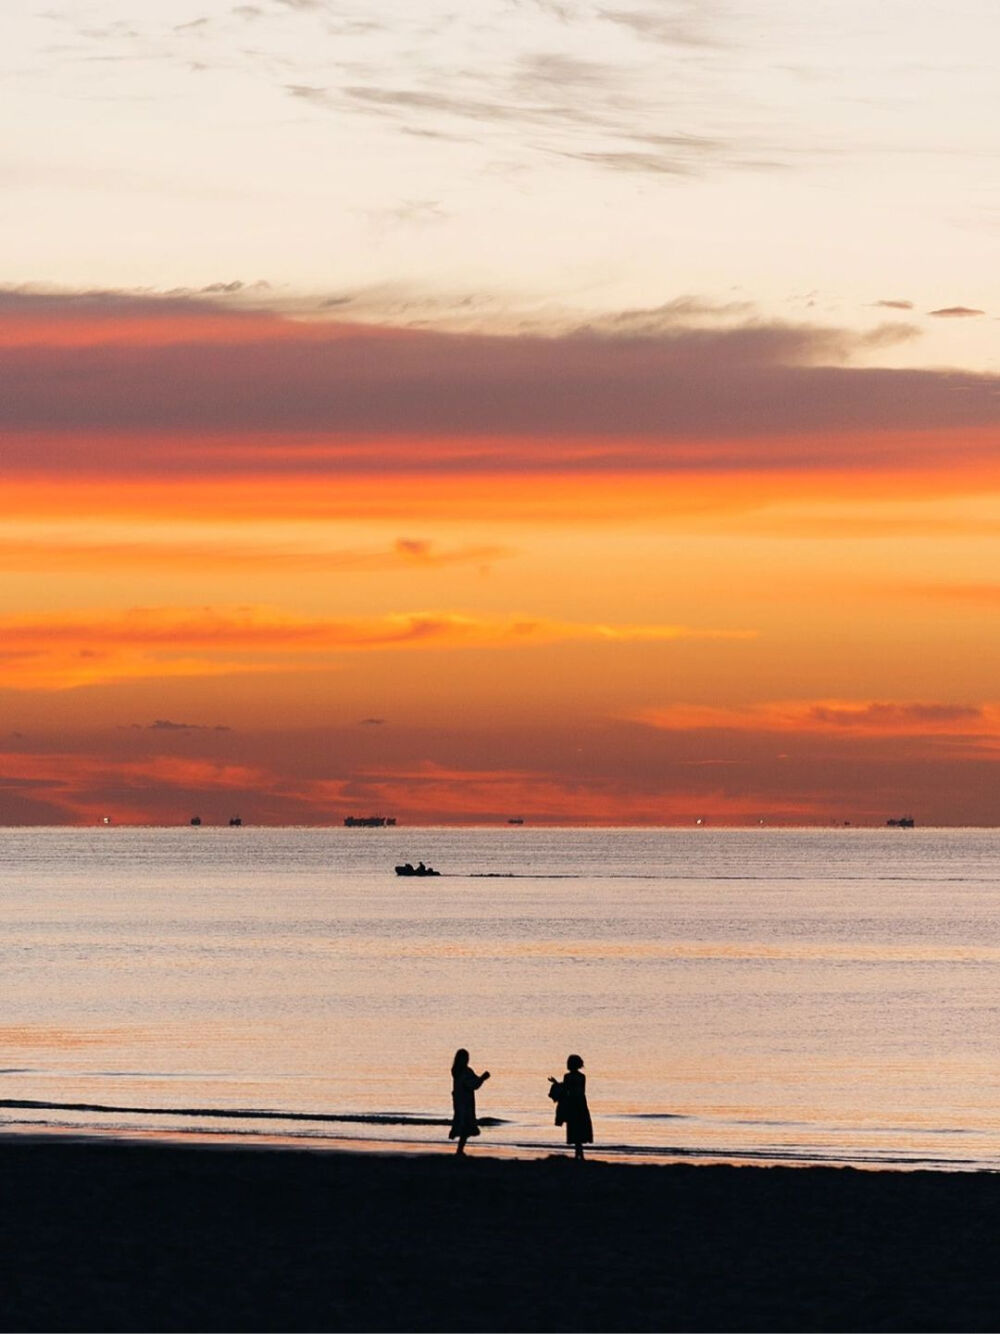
[[518, 74], [167, 725], [166, 788], [861, 717], [683, 312], [540, 73], [454, 105], [56, 552], [659, 164], [541, 96], [683, 25], [425, 790], [59, 652], [83, 787]]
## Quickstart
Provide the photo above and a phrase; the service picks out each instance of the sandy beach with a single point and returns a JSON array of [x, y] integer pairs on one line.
[[110, 1235]]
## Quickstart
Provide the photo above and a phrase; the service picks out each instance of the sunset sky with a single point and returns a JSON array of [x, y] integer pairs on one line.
[[579, 411]]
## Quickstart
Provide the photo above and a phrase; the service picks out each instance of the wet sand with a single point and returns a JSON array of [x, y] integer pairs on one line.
[[108, 1235]]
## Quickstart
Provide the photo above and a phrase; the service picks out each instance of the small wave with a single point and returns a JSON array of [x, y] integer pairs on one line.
[[539, 875], [657, 1116], [803, 1156], [776, 1154], [242, 1113], [709, 875]]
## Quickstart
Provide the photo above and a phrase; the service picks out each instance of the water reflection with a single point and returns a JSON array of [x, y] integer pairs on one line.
[[821, 994]]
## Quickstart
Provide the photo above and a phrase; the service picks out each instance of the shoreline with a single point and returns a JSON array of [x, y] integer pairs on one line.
[[617, 1155], [112, 1234]]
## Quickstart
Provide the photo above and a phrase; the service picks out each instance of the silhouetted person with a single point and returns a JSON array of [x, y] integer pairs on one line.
[[571, 1108], [464, 1082]]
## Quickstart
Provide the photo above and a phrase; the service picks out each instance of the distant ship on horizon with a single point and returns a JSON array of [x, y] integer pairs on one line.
[[369, 821]]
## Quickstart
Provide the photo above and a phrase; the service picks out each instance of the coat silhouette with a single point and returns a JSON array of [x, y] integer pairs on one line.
[[464, 1082], [571, 1105]]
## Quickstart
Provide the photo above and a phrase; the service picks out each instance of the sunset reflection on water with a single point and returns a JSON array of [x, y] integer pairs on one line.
[[775, 995]]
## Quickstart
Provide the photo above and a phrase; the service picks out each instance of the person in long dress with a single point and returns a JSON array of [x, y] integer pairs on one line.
[[571, 1106], [464, 1082]]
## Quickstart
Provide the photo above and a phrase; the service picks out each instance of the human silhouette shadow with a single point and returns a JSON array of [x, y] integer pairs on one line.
[[464, 1082], [570, 1097]]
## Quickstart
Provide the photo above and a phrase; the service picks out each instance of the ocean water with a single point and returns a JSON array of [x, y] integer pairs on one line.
[[743, 995]]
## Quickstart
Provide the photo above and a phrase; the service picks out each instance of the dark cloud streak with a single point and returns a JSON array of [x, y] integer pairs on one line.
[[653, 392], [166, 725], [957, 312], [685, 27], [656, 164]]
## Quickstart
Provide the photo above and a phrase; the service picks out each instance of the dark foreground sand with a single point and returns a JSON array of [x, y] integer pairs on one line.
[[118, 1236]]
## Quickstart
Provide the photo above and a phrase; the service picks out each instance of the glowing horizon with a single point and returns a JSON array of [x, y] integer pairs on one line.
[[590, 446]]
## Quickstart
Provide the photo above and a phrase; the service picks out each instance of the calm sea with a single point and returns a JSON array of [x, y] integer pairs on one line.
[[816, 996]]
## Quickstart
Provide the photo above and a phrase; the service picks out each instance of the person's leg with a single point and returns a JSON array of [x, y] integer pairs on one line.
[[579, 1153], [461, 1143]]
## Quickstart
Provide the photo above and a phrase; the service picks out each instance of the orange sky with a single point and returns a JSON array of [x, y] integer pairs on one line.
[[299, 571]]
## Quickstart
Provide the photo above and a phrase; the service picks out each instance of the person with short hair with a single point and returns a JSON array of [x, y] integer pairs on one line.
[[571, 1106]]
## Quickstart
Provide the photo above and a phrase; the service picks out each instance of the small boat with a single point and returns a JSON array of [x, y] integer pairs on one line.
[[369, 821], [904, 822], [421, 869]]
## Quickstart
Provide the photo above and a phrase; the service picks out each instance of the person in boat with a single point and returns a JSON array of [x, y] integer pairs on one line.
[[421, 869], [571, 1105], [464, 1082]]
